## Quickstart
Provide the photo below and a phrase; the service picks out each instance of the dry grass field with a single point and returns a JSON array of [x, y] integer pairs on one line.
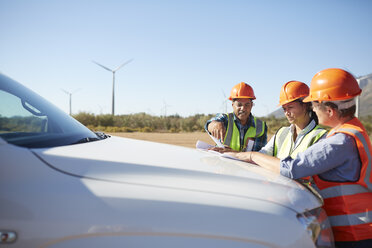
[[180, 139]]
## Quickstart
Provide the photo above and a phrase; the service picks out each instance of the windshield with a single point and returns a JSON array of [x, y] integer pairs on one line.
[[28, 120]]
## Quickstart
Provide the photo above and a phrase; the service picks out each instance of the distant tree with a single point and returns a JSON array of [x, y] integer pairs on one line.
[[86, 118]]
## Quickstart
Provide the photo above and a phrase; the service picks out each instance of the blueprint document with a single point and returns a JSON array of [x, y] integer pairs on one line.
[[217, 141]]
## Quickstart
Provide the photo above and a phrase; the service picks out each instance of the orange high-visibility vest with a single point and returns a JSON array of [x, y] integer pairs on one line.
[[349, 204]]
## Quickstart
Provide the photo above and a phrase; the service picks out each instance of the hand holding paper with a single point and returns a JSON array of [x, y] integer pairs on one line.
[[216, 131], [217, 141]]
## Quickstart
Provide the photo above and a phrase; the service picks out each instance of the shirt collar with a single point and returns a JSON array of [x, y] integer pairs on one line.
[[306, 130], [250, 122]]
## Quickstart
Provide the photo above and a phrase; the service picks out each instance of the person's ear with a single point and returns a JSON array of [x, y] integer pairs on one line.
[[331, 112]]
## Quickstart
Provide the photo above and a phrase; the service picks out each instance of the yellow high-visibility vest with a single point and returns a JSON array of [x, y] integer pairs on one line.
[[232, 136], [284, 144]]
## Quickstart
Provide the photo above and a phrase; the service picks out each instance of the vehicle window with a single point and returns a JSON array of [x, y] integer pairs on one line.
[[14, 117], [28, 120]]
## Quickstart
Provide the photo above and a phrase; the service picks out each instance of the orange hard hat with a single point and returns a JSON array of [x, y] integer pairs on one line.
[[292, 91], [333, 85], [242, 90]]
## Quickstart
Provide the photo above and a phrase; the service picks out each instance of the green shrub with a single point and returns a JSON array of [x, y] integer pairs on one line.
[[146, 130]]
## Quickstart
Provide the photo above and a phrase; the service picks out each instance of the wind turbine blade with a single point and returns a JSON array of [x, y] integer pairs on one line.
[[104, 67], [75, 91], [223, 93], [65, 91], [123, 64]]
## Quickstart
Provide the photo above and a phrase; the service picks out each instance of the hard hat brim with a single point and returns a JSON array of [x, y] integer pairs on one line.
[[308, 99], [292, 100], [322, 99], [240, 97]]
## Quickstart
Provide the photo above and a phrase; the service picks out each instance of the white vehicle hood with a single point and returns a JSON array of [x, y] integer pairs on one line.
[[132, 161]]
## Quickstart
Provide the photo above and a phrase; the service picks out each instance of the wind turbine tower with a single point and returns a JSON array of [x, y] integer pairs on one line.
[[224, 102], [113, 80], [165, 106], [70, 94]]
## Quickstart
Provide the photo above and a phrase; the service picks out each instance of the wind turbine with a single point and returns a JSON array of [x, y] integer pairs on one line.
[[165, 106], [224, 102], [70, 94], [113, 80]]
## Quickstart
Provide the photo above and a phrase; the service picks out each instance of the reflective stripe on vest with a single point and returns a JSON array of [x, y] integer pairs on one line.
[[349, 204], [353, 219], [284, 145], [367, 146], [232, 137], [344, 189]]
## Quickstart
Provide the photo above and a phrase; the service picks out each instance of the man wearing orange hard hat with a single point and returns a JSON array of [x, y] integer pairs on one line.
[[339, 164], [240, 130]]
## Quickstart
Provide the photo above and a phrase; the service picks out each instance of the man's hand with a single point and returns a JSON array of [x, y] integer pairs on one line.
[[217, 129], [222, 149]]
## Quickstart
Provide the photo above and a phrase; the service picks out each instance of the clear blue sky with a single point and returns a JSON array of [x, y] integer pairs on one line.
[[187, 54]]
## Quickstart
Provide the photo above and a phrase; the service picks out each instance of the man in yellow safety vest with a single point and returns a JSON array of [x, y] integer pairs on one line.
[[240, 130]]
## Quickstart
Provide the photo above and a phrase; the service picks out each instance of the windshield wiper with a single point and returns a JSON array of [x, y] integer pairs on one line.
[[102, 135], [85, 140]]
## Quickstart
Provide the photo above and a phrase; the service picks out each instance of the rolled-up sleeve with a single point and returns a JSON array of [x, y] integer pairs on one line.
[[219, 117]]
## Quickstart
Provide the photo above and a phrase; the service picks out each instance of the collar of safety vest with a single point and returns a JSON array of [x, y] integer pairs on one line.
[[307, 129], [250, 122]]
